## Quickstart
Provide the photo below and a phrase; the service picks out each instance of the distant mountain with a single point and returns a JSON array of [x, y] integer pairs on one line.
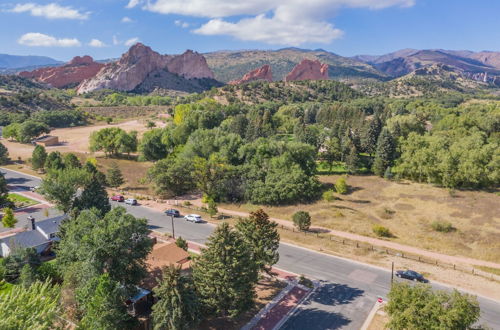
[[232, 65], [17, 61]]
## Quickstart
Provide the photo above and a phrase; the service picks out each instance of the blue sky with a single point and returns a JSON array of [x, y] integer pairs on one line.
[[104, 28]]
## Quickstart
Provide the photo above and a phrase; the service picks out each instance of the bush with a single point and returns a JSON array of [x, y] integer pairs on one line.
[[341, 186], [305, 282], [442, 226], [329, 195], [302, 220], [382, 231]]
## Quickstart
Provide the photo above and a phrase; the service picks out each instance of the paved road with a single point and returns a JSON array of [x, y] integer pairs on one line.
[[349, 289]]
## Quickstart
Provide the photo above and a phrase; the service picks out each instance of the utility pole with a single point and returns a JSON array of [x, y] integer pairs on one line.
[[173, 229], [392, 273]]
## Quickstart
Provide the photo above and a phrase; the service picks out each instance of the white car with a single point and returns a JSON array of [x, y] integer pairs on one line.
[[35, 188], [131, 201], [193, 218]]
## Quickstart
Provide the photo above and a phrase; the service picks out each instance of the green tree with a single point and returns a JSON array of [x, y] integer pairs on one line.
[[94, 195], [332, 151], [116, 243], [11, 131], [54, 161], [385, 153], [71, 161], [225, 274], [371, 135], [28, 276], [302, 220], [38, 157], [114, 177], [61, 187], [113, 141], [262, 235], [178, 307], [212, 207], [36, 307], [4, 155], [17, 258], [152, 146], [104, 307], [172, 176], [128, 142], [353, 161], [8, 218], [4, 193], [182, 243], [419, 307], [341, 186], [29, 130]]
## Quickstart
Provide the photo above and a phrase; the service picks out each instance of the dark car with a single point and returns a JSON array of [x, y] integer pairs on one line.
[[118, 198], [411, 275], [173, 212]]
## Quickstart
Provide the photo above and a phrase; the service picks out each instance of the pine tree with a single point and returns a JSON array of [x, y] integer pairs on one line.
[[28, 276], [71, 161], [4, 193], [114, 177], [4, 155], [262, 235], [225, 274], [386, 152], [38, 157], [94, 195], [353, 162], [302, 220], [371, 135], [54, 161], [212, 207], [8, 219], [178, 307]]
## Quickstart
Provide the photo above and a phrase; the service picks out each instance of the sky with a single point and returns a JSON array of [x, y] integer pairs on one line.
[[105, 29]]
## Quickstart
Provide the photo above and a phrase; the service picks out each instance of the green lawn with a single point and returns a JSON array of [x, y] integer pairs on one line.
[[21, 201]]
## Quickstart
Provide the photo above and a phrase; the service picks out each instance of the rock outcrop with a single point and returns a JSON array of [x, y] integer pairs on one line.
[[308, 70], [262, 73], [139, 62], [68, 75]]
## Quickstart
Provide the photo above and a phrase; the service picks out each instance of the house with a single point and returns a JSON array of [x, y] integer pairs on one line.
[[164, 255], [47, 141], [40, 237]]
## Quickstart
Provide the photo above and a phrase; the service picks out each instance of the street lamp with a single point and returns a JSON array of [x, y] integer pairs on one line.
[[173, 229]]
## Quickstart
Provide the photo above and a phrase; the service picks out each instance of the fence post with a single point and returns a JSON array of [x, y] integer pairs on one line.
[[418, 258], [402, 255], [342, 242], [454, 267], [472, 271], [436, 262], [357, 244]]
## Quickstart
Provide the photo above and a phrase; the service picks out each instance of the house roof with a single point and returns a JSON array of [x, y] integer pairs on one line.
[[50, 226], [46, 138], [166, 254], [25, 239]]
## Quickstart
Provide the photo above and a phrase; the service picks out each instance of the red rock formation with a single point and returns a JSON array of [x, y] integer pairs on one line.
[[139, 61], [262, 73], [74, 72], [308, 70]]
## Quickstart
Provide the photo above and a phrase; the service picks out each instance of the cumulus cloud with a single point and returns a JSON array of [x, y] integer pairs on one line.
[[50, 11], [96, 43], [288, 22], [182, 24], [131, 41], [127, 20], [35, 39]]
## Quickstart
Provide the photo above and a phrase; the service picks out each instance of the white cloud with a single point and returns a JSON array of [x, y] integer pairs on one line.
[[182, 24], [131, 42], [96, 43], [127, 20], [50, 11], [116, 42], [287, 22], [35, 39]]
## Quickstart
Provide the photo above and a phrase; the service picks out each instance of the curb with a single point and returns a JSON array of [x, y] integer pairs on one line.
[[370, 317], [33, 176]]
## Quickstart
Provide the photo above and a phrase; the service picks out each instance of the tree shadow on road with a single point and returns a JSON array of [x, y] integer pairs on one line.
[[335, 294], [313, 319]]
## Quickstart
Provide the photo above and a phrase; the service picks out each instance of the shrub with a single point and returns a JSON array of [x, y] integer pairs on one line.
[[302, 220], [305, 281], [329, 196], [341, 186], [442, 226], [382, 231]]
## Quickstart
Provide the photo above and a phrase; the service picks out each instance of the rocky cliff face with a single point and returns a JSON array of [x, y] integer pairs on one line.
[[136, 64], [70, 74], [262, 73], [308, 70]]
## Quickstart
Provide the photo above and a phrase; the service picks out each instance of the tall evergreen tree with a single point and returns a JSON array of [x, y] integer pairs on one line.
[[386, 152], [225, 274], [262, 235], [4, 193], [94, 195], [71, 161], [114, 177], [353, 161], [54, 161], [178, 307], [4, 155], [38, 157], [370, 135]]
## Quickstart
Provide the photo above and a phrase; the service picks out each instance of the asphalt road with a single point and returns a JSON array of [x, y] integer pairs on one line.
[[348, 288]]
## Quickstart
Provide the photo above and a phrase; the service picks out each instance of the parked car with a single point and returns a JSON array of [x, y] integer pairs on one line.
[[118, 198], [193, 218], [131, 201], [173, 212], [411, 275], [34, 188]]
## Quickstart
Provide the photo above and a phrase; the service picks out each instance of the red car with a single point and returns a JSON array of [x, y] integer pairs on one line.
[[118, 198]]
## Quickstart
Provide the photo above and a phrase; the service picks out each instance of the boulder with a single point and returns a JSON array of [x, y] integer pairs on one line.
[[262, 73], [308, 70]]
